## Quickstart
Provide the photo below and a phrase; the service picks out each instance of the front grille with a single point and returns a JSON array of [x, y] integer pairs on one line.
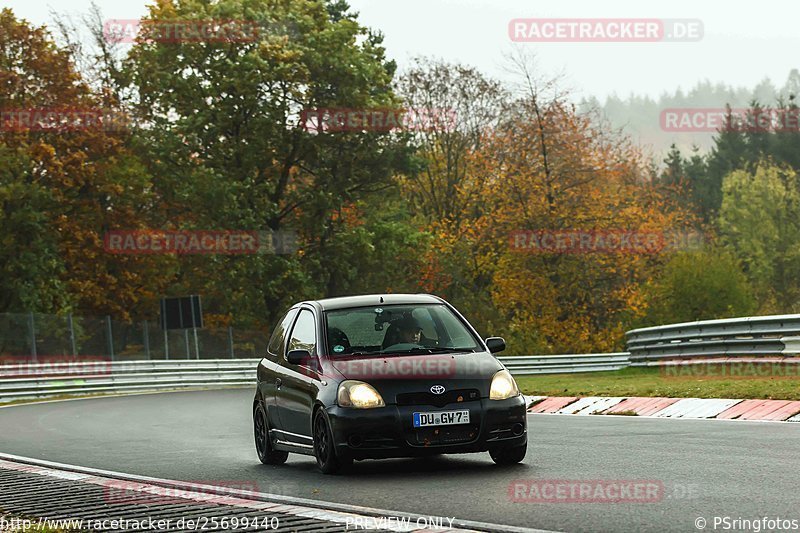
[[438, 400], [445, 435]]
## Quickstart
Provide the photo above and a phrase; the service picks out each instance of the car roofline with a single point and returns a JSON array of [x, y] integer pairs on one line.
[[367, 300]]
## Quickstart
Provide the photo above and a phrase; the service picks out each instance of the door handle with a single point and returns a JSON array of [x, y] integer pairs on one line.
[[278, 382]]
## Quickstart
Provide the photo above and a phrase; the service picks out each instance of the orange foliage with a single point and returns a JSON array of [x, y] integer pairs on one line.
[[559, 173]]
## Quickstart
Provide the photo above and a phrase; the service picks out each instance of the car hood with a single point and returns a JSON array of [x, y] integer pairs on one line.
[[395, 374]]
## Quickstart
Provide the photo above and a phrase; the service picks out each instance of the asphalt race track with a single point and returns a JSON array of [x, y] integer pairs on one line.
[[707, 468]]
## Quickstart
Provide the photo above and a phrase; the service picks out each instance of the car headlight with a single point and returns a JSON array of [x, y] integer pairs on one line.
[[503, 386], [359, 395]]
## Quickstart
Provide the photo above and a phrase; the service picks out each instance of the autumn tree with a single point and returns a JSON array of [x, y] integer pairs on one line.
[[462, 105], [546, 167], [442, 189], [63, 188], [222, 130]]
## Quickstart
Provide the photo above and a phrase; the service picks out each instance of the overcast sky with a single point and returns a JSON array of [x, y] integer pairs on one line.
[[743, 41]]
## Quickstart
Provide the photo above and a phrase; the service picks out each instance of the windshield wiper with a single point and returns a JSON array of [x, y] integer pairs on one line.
[[435, 349]]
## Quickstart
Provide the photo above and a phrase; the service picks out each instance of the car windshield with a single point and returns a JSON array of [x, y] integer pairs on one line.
[[397, 329]]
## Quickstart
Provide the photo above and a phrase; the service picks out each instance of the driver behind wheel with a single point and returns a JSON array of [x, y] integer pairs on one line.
[[410, 330]]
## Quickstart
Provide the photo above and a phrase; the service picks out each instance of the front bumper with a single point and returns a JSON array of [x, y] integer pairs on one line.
[[388, 431]]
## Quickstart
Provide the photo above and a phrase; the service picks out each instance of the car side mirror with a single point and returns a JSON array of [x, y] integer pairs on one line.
[[495, 344], [298, 357]]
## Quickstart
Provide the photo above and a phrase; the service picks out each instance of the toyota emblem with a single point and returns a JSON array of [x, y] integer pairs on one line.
[[437, 389]]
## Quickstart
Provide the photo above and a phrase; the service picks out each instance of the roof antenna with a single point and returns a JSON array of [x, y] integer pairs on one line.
[[381, 299]]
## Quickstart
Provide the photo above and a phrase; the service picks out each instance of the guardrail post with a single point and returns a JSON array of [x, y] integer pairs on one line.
[[110, 334], [230, 342], [196, 345], [71, 334], [146, 338], [32, 326]]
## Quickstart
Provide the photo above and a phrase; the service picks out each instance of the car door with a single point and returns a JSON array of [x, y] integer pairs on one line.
[[300, 384], [271, 371]]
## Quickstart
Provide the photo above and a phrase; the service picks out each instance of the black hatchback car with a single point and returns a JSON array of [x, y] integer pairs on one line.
[[382, 376]]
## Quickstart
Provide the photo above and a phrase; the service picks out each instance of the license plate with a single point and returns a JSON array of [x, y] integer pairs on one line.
[[441, 418]]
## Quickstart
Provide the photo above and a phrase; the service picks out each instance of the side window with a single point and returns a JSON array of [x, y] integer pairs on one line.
[[275, 346], [304, 334]]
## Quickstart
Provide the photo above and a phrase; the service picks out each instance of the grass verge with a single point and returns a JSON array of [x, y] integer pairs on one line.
[[651, 381]]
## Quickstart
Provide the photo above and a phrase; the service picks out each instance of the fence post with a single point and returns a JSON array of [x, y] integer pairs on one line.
[[146, 338], [72, 335], [166, 345], [32, 324], [110, 337], [230, 342], [196, 344], [186, 338]]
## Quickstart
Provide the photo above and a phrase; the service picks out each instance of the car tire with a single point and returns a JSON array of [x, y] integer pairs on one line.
[[509, 456], [324, 447], [266, 453]]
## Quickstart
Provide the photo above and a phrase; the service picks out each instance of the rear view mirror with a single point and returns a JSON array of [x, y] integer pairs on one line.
[[495, 344]]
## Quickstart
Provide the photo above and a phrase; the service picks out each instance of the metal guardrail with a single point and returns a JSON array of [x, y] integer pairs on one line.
[[41, 380], [764, 335], [556, 364], [767, 335], [21, 381], [703, 340]]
